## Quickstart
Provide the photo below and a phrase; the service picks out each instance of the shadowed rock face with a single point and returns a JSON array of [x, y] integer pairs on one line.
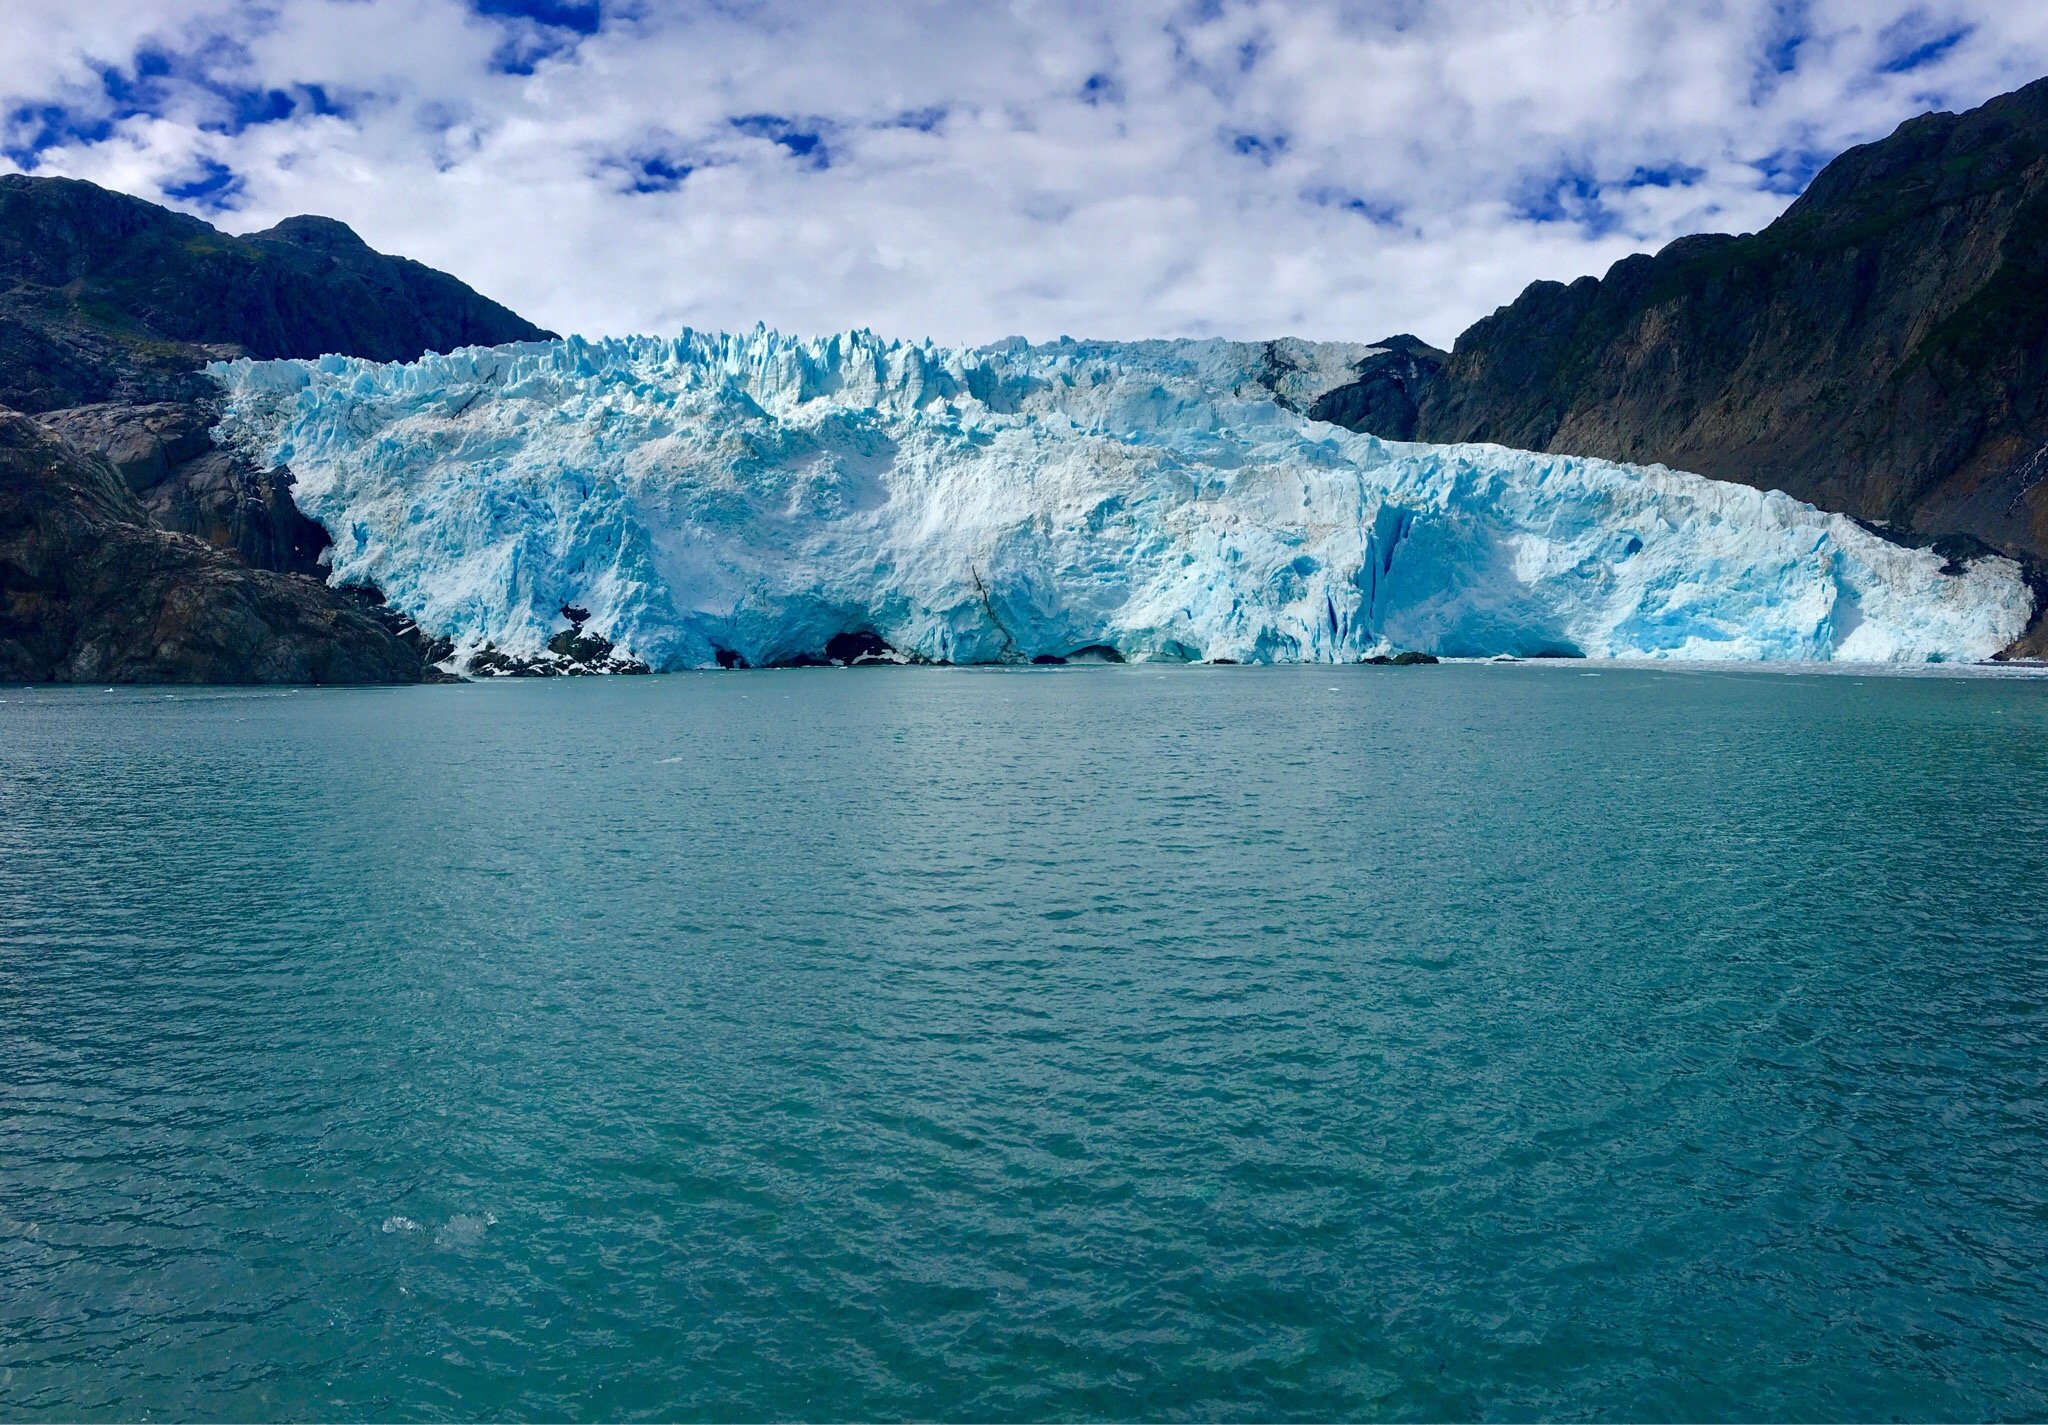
[[1881, 349], [1387, 397], [167, 459], [109, 306], [92, 591]]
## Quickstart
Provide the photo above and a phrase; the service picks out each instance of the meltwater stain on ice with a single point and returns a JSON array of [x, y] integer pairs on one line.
[[718, 497]]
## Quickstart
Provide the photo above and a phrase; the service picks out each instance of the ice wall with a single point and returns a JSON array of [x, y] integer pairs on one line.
[[756, 494]]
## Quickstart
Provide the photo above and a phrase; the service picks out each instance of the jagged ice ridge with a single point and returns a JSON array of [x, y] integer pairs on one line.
[[755, 494]]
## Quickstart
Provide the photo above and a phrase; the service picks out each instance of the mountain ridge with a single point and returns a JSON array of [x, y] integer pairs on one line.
[[104, 296], [1880, 349]]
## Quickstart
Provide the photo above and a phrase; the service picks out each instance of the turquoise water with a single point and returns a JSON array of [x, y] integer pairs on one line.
[[1417, 1043]]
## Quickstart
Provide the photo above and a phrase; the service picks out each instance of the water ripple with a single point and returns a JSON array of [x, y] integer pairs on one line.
[[1463, 1042]]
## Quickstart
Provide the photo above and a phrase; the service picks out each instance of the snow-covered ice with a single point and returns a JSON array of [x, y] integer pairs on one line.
[[756, 494]]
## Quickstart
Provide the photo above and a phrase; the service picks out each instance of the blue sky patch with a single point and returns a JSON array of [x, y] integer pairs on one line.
[[1676, 175], [1790, 26], [550, 28], [247, 108], [257, 106], [1569, 196], [1102, 89], [1383, 211], [1914, 45], [524, 53], [33, 128], [149, 86], [214, 188], [582, 19], [1788, 170], [802, 137], [658, 173], [140, 86], [1263, 147]]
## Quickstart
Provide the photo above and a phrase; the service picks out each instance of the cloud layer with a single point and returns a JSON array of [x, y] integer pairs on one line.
[[967, 170]]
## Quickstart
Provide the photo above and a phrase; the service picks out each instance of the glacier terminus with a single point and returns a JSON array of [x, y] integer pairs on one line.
[[723, 499]]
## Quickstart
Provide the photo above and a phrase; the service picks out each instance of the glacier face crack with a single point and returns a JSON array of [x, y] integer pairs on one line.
[[713, 499]]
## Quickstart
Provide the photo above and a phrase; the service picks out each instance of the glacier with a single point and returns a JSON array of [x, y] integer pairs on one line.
[[713, 499]]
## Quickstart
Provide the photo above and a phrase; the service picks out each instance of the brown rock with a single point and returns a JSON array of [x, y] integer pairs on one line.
[[91, 591]]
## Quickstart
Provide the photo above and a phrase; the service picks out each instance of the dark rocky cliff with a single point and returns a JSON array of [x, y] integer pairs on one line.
[[92, 591], [1881, 349], [190, 565]]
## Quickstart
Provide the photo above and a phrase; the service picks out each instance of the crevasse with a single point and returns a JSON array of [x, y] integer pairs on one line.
[[752, 495]]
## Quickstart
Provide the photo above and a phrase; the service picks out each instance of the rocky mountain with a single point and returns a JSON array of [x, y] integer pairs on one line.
[[1881, 349], [104, 297], [109, 308]]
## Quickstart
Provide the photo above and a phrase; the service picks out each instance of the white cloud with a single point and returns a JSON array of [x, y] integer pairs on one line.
[[947, 167]]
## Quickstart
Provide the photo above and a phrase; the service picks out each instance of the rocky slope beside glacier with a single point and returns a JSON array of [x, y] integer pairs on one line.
[[1881, 349], [717, 499], [92, 591], [109, 309]]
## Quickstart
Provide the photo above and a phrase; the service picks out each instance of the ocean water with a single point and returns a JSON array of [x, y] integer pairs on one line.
[[1269, 1042]]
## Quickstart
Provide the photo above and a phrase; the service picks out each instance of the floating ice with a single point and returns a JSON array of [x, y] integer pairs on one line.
[[747, 497]]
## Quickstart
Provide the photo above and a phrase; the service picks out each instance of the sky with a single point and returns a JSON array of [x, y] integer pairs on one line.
[[967, 169]]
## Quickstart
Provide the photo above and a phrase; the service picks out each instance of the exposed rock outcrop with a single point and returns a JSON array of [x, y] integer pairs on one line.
[[1387, 397], [92, 591], [569, 654], [168, 460]]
